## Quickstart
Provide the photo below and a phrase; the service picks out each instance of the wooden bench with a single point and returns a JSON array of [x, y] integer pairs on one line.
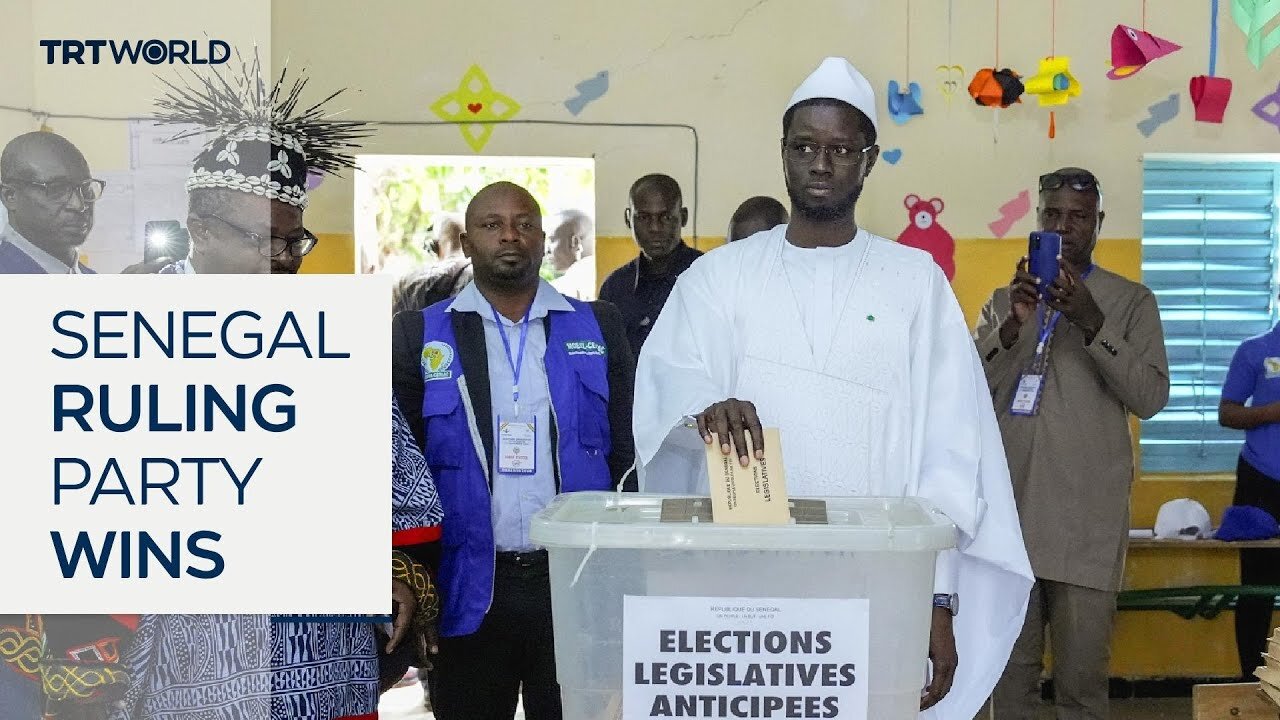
[[1238, 701]]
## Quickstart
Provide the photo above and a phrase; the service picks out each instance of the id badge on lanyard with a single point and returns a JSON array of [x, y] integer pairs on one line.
[[1026, 398], [517, 440]]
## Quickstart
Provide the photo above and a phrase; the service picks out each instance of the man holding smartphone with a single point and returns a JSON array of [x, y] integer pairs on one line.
[[1068, 358]]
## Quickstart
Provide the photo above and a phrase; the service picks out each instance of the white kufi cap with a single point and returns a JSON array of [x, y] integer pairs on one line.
[[838, 79]]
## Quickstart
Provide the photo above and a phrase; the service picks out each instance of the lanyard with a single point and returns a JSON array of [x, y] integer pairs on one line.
[[1046, 328], [517, 362]]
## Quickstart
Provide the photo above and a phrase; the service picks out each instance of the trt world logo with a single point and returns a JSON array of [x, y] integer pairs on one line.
[[153, 52]]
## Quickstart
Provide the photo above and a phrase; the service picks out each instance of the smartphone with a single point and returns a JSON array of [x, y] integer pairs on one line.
[[1043, 250]]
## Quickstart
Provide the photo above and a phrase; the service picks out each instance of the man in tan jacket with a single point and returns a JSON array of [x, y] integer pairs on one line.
[[1065, 373]]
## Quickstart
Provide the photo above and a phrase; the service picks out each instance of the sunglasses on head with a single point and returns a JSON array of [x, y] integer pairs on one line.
[[1075, 181]]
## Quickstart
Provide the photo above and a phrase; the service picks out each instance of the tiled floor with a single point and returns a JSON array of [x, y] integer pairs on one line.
[[406, 704]]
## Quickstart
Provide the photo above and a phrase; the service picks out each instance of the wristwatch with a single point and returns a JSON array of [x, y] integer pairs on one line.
[[950, 602]]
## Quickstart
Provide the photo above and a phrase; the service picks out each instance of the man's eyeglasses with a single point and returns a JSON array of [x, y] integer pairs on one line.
[[271, 246], [1075, 181], [59, 191], [840, 154]]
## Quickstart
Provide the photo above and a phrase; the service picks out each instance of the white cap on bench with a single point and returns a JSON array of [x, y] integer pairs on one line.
[[1183, 519]]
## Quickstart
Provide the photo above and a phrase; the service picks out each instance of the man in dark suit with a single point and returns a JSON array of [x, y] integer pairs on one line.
[[517, 393]]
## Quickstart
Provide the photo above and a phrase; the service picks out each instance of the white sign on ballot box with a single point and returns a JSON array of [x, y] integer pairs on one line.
[[745, 657]]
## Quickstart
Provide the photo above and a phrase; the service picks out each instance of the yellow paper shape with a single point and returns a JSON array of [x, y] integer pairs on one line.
[[477, 101], [1054, 84]]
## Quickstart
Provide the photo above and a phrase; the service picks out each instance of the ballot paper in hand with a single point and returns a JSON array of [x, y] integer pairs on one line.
[[751, 495]]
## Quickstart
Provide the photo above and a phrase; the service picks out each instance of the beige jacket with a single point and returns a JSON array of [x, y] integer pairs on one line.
[[1072, 463]]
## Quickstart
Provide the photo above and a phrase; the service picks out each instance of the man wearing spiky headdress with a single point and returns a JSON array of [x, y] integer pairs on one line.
[[248, 187], [247, 194]]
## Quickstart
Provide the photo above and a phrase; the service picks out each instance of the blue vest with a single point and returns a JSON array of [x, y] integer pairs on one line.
[[577, 372], [15, 262]]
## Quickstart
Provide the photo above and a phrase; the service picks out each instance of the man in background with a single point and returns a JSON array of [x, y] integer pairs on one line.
[[571, 253], [517, 394], [1254, 378], [1066, 370], [48, 195], [754, 215], [655, 214], [443, 279]]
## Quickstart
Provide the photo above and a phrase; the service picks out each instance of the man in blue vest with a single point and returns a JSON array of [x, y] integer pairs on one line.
[[521, 393], [49, 196]]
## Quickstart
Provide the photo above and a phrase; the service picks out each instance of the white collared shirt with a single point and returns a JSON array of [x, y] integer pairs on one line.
[[47, 262]]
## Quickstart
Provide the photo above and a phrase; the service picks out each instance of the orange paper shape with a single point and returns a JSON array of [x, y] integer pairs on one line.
[[996, 88]]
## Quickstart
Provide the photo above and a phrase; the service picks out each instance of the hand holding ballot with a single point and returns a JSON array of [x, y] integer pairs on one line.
[[731, 421]]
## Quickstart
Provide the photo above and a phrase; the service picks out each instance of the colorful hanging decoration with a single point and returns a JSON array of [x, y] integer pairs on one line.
[[1253, 17], [904, 104], [996, 88], [1054, 84], [1210, 94], [1133, 49], [949, 79]]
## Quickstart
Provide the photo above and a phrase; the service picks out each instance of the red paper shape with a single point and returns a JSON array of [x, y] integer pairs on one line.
[[475, 107], [1210, 95], [926, 234], [1132, 49]]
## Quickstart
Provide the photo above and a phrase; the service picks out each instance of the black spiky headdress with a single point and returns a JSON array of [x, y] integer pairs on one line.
[[259, 142]]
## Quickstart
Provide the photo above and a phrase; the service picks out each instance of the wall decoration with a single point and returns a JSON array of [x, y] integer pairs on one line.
[[1054, 84], [1010, 213], [1268, 108], [996, 88], [950, 78], [892, 156], [1211, 94], [589, 90], [904, 105], [1253, 17], [1132, 49], [474, 100], [924, 232], [1161, 113]]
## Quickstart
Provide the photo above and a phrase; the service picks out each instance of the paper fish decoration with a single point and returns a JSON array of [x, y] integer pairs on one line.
[[1161, 113], [1054, 84], [1010, 213], [589, 90], [1132, 49], [904, 105], [996, 88], [1210, 96]]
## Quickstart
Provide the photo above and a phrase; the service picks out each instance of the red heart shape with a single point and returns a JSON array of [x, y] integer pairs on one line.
[[475, 107]]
